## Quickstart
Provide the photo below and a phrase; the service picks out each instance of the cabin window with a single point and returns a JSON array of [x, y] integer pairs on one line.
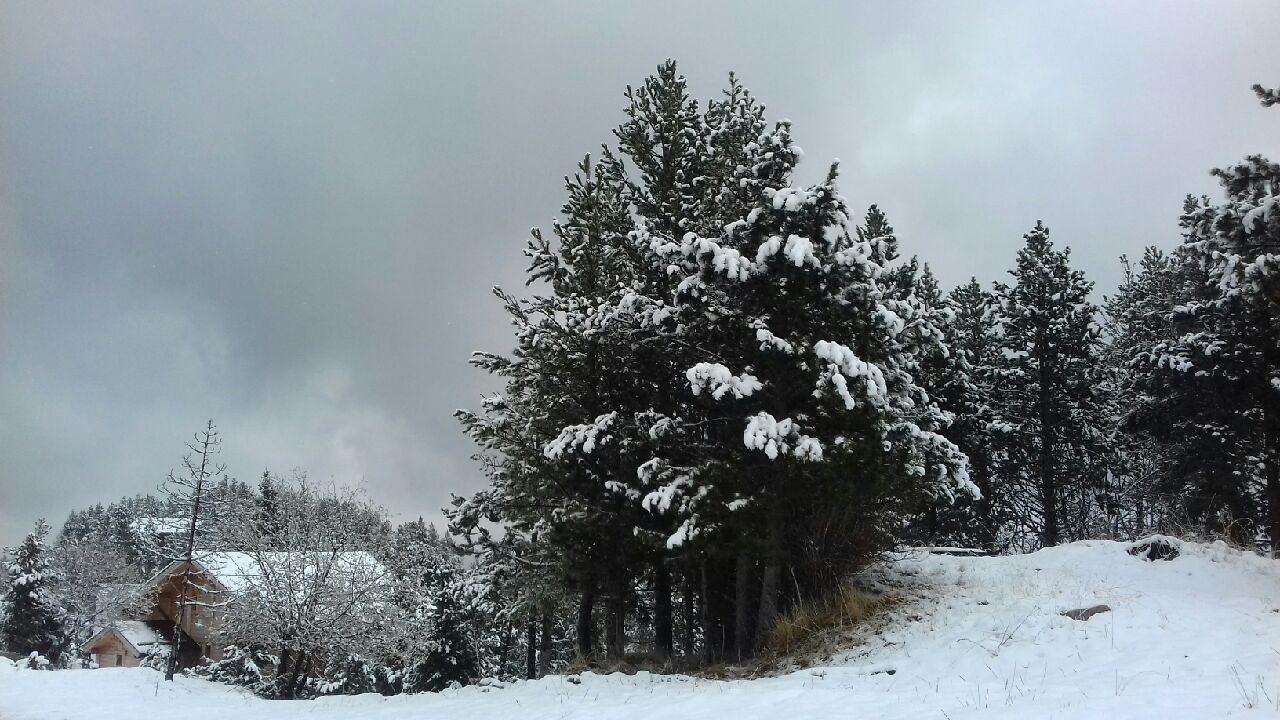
[[119, 660]]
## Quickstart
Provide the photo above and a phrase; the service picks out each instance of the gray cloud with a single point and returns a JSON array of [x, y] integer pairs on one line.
[[288, 216]]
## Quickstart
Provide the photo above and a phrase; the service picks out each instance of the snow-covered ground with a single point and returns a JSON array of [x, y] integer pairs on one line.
[[1196, 637]]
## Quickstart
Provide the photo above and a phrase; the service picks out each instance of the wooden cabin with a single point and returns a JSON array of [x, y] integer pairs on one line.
[[128, 642], [209, 584]]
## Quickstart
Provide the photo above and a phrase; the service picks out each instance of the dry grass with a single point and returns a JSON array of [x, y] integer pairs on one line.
[[807, 634], [825, 627]]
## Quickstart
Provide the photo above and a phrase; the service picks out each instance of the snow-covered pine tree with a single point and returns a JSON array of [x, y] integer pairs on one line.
[[807, 360], [960, 381], [515, 589], [718, 383], [1134, 320], [595, 359], [971, 336], [1052, 461], [556, 441], [451, 619], [1267, 96], [451, 653], [1221, 371], [730, 138], [115, 528], [32, 623], [1212, 483]]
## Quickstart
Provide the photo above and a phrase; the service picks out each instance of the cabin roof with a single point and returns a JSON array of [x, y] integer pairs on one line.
[[140, 635], [235, 572]]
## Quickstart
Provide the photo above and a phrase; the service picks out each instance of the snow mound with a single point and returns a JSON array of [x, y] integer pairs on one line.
[[980, 637]]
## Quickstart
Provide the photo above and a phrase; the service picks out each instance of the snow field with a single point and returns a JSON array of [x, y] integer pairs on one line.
[[1195, 637]]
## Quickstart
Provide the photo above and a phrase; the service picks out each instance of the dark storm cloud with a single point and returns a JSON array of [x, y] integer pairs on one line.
[[288, 216]]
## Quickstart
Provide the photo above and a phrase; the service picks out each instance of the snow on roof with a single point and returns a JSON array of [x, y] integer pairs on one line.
[[140, 634], [236, 572]]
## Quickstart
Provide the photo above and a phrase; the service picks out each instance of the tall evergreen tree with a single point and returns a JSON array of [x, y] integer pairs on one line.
[[1217, 379], [961, 380], [717, 357], [1145, 482], [1052, 467]]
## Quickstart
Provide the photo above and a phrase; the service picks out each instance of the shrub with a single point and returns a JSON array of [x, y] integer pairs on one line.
[[351, 674], [238, 666]]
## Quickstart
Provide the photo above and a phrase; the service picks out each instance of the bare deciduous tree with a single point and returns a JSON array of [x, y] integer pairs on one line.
[[186, 492]]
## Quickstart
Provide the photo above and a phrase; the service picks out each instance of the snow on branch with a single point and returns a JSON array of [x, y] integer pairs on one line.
[[797, 249], [721, 381], [723, 260], [769, 340], [583, 437], [845, 364], [780, 437]]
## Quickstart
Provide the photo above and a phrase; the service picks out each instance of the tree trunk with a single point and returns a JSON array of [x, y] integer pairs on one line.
[[531, 647], [544, 646], [986, 523], [690, 616], [771, 578], [742, 605], [1140, 515], [282, 669], [1048, 483], [711, 641], [616, 638], [720, 600], [586, 604], [299, 678], [1272, 440], [662, 610]]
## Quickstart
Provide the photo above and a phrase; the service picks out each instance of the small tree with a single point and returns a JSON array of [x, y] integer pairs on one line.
[[93, 584], [33, 623], [450, 654]]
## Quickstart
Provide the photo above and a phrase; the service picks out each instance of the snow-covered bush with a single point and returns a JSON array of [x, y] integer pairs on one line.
[[238, 666], [36, 661], [351, 674]]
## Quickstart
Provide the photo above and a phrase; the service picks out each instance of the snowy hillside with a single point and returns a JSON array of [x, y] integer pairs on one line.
[[1195, 637]]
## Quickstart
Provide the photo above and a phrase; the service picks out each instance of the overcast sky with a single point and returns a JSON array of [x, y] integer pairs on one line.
[[287, 216]]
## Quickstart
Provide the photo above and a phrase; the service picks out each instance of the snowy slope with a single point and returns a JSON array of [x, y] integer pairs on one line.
[[1196, 637]]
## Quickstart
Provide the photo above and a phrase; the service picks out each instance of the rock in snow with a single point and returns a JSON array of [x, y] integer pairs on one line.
[[1156, 548], [1194, 638], [1086, 613]]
